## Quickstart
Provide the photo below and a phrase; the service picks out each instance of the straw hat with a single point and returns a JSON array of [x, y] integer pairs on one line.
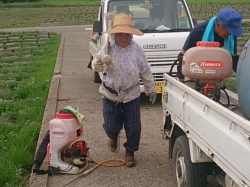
[[122, 23]]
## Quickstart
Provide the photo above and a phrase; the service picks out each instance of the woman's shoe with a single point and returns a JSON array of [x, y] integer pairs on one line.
[[113, 145], [129, 158]]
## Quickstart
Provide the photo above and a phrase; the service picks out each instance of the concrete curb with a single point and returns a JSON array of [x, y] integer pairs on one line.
[[49, 113]]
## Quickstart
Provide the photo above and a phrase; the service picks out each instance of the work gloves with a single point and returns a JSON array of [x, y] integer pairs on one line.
[[97, 66], [152, 97], [149, 86], [100, 61]]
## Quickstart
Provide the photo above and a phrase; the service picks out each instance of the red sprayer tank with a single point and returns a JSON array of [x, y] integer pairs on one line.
[[207, 62]]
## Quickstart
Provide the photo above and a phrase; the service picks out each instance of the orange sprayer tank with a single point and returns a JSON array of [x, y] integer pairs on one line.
[[207, 62]]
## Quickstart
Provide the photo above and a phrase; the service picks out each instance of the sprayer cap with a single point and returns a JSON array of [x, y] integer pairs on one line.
[[64, 115], [208, 44]]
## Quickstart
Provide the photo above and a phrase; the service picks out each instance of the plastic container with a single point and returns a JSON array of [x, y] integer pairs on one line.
[[243, 79], [64, 129], [207, 62]]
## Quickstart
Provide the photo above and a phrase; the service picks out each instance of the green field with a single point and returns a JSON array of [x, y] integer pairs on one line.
[[97, 2], [225, 2]]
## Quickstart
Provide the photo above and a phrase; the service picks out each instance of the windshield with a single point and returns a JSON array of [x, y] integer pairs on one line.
[[154, 15]]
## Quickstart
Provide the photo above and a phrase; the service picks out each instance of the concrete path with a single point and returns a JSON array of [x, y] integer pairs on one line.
[[72, 84]]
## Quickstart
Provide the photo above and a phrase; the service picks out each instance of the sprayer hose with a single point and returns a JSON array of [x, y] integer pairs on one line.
[[102, 163]]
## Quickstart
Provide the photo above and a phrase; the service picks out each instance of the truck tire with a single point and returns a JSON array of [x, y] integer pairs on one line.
[[186, 173], [96, 77]]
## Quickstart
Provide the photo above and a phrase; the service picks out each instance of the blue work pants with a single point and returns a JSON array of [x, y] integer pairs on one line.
[[125, 115]]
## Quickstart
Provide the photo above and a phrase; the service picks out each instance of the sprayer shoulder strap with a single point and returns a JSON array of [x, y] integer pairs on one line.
[[41, 172]]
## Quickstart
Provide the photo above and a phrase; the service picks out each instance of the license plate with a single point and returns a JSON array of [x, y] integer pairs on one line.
[[159, 86]]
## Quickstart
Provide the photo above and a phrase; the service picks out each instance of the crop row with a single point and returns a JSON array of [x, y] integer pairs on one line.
[[205, 11], [19, 50]]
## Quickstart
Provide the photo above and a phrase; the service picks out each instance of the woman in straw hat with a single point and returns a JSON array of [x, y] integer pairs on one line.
[[130, 65]]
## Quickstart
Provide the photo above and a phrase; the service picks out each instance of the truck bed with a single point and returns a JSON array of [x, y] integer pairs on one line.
[[223, 134]]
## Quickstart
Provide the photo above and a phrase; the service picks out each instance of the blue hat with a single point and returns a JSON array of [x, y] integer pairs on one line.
[[231, 19]]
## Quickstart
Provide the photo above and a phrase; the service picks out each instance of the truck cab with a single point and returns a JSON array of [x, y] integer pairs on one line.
[[165, 24]]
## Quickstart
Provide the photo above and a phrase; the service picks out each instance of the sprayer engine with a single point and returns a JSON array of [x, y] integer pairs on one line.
[[207, 64], [78, 153], [210, 90]]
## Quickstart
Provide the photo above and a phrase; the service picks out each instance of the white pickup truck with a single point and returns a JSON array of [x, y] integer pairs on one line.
[[205, 137], [165, 24]]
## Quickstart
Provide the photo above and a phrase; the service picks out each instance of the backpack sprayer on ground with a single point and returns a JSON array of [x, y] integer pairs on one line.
[[67, 153]]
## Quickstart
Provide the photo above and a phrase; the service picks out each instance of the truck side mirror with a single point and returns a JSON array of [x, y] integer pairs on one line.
[[97, 27]]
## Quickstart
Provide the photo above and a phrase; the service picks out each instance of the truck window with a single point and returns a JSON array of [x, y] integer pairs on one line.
[[157, 15], [182, 15]]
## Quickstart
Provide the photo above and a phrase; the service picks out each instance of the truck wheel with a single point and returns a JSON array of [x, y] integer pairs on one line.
[[186, 173], [96, 77]]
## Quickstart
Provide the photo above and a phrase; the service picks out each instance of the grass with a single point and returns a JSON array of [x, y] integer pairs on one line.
[[24, 88], [39, 16], [53, 3], [23, 107]]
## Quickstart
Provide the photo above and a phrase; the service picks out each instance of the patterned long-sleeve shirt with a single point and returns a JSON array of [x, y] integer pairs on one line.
[[129, 63]]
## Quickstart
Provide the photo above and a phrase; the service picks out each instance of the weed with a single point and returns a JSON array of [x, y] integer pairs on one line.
[[230, 84]]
